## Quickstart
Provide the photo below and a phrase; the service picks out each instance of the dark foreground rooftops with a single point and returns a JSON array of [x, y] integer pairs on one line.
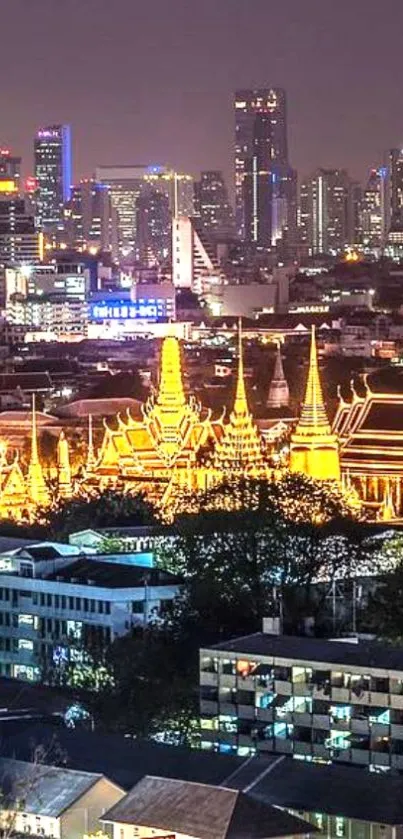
[[204, 811], [361, 654], [113, 575], [47, 790]]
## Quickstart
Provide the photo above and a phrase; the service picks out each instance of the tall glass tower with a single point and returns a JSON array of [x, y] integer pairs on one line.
[[263, 109], [53, 171]]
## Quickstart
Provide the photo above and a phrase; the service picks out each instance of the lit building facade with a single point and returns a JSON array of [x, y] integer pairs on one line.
[[330, 212], [20, 242], [312, 699], [53, 601], [269, 102], [53, 173], [212, 205]]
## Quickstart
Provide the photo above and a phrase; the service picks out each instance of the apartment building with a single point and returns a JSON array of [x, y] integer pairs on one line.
[[316, 700], [53, 600]]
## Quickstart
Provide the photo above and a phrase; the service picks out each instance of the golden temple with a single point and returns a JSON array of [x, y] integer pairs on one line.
[[177, 444]]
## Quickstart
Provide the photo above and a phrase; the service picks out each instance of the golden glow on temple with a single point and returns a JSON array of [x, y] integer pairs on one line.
[[177, 447], [314, 450]]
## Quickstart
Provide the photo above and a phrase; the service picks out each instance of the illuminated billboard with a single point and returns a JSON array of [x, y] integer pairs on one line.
[[7, 186], [117, 309]]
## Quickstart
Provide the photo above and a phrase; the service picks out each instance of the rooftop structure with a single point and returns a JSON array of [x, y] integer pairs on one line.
[[55, 800], [200, 811]]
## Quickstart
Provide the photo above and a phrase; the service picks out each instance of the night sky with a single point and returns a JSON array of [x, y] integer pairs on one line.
[[147, 81]]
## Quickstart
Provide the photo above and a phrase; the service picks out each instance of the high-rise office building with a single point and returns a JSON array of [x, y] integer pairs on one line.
[[212, 206], [396, 188], [375, 213], [330, 211], [90, 218], [53, 171], [154, 222], [20, 242], [127, 183], [269, 103]]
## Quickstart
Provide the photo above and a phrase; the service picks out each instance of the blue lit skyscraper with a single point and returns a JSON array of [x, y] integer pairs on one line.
[[53, 171]]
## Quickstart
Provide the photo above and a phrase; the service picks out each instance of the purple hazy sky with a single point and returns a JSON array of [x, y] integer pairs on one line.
[[147, 81]]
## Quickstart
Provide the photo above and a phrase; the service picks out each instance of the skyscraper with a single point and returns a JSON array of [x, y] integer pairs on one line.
[[211, 204], [52, 152], [90, 219], [375, 212], [330, 211], [154, 223], [268, 102]]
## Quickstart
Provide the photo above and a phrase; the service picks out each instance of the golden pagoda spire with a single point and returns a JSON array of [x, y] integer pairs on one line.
[[37, 488], [65, 485], [313, 418], [171, 393], [314, 450], [240, 448], [241, 402]]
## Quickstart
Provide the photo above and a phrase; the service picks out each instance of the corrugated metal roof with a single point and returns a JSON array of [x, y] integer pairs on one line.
[[204, 811], [44, 790]]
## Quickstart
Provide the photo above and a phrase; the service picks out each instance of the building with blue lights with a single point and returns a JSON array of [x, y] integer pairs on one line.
[[53, 171], [316, 700]]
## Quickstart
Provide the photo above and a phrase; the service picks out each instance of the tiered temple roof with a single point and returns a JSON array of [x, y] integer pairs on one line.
[[240, 448]]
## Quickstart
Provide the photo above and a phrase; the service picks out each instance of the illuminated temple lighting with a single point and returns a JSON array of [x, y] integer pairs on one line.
[[176, 448], [314, 449], [240, 448]]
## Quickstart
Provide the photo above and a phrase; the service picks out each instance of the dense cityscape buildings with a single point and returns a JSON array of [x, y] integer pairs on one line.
[[201, 473]]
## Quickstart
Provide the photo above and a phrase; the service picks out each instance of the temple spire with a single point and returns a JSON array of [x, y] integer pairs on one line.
[[313, 418], [314, 450], [240, 448], [38, 490], [279, 394], [241, 402], [65, 485], [171, 393]]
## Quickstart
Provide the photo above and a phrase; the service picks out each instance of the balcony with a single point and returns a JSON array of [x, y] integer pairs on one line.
[[284, 747], [359, 726], [265, 714], [299, 718], [301, 748], [396, 761], [322, 721], [340, 694], [396, 701], [208, 707], [396, 732], [320, 750], [208, 678], [284, 688], [228, 709], [302, 689], [227, 680], [361, 756], [380, 758], [379, 699], [246, 712], [339, 725], [360, 699]]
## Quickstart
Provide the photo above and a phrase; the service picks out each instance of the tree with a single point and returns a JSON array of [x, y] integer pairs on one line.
[[101, 509], [384, 612]]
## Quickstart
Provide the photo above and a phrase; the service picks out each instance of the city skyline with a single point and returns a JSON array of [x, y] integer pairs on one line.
[[165, 92]]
